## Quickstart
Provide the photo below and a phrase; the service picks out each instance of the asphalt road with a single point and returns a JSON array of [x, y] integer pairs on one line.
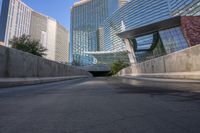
[[100, 105]]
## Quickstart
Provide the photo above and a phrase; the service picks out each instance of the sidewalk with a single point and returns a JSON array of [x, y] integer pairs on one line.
[[12, 82], [186, 77], [183, 85], [161, 79]]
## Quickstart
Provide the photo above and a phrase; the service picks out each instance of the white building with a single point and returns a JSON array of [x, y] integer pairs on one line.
[[17, 19], [62, 44], [52, 36], [51, 39]]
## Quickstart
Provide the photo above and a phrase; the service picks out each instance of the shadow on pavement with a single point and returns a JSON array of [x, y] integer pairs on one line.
[[185, 91]]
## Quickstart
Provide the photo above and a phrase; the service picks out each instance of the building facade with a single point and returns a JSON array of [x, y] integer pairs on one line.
[[38, 27], [185, 7], [1, 32], [62, 44], [136, 14], [0, 5], [52, 36], [87, 16], [17, 19], [51, 39], [14, 20]]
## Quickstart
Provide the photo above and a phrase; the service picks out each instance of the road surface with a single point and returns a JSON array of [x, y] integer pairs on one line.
[[100, 105]]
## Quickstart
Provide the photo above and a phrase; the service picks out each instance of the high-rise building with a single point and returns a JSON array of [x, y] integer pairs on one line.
[[87, 16], [62, 44], [100, 39], [14, 20], [134, 14], [38, 27], [0, 5], [139, 13], [52, 36], [51, 39], [1, 43], [185, 7], [17, 19], [3, 19]]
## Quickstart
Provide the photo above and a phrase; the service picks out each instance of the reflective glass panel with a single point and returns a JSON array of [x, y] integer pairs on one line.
[[173, 40]]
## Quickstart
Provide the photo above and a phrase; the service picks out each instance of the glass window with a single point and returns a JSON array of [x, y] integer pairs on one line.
[[173, 40], [0, 5]]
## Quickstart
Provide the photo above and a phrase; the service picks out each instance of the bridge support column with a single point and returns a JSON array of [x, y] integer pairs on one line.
[[131, 53]]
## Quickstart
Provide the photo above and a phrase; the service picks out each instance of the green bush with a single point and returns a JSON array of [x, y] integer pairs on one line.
[[26, 44], [117, 66]]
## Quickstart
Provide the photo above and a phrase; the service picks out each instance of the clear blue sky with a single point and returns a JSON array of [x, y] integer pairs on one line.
[[58, 9]]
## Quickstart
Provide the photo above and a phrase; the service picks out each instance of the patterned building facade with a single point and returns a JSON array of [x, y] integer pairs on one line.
[[14, 20], [52, 36], [137, 14], [87, 16]]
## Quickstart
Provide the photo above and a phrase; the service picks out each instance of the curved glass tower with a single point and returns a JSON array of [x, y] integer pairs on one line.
[[87, 17], [135, 14], [106, 46], [185, 7], [138, 13]]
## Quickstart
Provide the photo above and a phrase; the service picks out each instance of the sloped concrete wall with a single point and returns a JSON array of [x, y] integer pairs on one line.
[[15, 63], [187, 60], [3, 62]]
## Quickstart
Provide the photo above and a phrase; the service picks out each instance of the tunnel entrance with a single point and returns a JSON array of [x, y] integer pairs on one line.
[[100, 73]]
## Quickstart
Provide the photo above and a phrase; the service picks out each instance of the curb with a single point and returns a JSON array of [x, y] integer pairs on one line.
[[170, 77], [155, 79], [13, 82]]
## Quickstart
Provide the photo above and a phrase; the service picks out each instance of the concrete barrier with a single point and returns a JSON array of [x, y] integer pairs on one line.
[[183, 64], [13, 82], [15, 63]]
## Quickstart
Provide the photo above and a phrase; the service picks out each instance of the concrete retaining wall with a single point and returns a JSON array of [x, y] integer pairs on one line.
[[15, 63], [187, 60]]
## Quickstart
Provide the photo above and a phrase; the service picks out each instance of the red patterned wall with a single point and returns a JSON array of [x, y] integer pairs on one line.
[[191, 29]]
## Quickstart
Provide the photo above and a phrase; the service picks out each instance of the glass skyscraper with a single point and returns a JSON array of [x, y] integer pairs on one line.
[[185, 7], [3, 18], [0, 5], [87, 17], [138, 13], [14, 20], [134, 14]]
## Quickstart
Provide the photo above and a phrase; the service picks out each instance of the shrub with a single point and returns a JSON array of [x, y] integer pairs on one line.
[[117, 66], [26, 44]]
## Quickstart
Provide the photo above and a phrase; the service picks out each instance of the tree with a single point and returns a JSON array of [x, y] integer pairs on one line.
[[26, 44], [118, 65]]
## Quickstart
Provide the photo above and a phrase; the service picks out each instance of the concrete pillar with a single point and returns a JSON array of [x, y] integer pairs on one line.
[[131, 53]]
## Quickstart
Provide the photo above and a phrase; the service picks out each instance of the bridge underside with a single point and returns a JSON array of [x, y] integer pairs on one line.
[[109, 57], [100, 73], [98, 69]]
